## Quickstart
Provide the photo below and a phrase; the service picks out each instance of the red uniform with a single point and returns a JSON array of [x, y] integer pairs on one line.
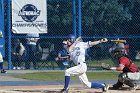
[[127, 64]]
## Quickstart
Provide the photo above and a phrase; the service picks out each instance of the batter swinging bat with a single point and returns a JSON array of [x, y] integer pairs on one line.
[[119, 41]]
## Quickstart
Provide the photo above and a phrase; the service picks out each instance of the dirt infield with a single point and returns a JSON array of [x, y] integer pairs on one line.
[[56, 88], [9, 85]]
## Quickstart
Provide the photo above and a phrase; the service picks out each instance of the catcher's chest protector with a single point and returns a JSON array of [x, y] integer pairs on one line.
[[129, 67]]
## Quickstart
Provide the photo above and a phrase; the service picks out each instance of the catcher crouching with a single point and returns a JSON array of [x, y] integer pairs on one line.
[[130, 72]]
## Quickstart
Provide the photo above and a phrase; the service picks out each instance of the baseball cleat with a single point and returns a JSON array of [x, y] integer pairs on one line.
[[3, 71], [134, 87], [105, 88], [64, 91]]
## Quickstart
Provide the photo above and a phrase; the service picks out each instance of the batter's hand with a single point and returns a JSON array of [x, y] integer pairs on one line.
[[103, 40], [79, 39]]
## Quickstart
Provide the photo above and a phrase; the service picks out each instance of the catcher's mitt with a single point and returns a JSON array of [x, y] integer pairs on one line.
[[105, 66]]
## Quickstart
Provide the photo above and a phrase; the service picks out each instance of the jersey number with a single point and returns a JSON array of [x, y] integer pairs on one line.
[[77, 53]]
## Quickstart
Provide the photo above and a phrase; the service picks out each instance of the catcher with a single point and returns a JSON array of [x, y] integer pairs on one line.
[[129, 70]]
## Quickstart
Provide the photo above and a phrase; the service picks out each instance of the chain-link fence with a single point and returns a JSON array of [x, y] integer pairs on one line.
[[90, 19]]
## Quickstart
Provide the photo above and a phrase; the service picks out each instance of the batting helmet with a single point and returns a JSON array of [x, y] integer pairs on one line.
[[71, 38]]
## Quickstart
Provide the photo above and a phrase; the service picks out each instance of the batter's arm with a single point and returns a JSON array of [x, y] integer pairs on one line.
[[109, 67], [118, 68], [94, 43], [97, 42]]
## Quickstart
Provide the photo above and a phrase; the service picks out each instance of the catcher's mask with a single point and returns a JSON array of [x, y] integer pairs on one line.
[[118, 53]]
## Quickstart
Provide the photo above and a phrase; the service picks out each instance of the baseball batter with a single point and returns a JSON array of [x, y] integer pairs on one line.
[[77, 54]]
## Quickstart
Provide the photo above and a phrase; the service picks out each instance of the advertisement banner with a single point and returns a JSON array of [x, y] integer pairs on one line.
[[29, 16], [2, 40]]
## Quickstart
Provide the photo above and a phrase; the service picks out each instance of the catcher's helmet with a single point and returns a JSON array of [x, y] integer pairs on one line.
[[118, 50], [71, 38], [118, 53]]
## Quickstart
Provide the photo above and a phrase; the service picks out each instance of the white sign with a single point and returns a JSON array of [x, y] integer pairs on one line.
[[29, 16]]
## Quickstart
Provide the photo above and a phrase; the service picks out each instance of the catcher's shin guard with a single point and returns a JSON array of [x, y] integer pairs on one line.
[[134, 87], [118, 85], [129, 83]]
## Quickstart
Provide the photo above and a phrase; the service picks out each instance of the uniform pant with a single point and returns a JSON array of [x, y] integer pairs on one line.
[[80, 71]]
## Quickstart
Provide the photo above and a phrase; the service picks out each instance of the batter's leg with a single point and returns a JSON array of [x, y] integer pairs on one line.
[[71, 71], [67, 81], [84, 79]]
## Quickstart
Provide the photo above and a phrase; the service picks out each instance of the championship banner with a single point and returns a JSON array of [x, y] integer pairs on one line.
[[29, 16], [2, 40]]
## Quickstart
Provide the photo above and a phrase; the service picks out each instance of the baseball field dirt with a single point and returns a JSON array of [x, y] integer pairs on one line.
[[9, 84], [74, 88]]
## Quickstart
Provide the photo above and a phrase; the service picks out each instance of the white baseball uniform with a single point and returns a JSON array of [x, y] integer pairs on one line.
[[78, 57], [1, 58]]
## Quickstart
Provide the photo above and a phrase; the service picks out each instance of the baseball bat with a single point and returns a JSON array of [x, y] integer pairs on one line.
[[119, 41]]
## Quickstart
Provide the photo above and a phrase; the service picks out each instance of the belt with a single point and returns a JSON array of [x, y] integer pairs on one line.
[[79, 63]]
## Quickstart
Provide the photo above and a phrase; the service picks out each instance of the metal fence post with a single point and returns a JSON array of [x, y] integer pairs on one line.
[[74, 17], [79, 18], [9, 35]]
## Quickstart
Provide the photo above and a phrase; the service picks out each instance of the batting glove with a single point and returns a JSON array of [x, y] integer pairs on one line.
[[79, 39], [103, 40]]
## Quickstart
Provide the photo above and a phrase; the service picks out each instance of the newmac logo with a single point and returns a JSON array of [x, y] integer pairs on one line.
[[29, 13]]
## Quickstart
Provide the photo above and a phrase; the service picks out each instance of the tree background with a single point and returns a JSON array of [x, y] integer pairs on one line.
[[100, 18]]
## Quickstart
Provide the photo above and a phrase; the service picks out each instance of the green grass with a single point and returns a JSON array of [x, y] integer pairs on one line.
[[57, 75], [60, 76]]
